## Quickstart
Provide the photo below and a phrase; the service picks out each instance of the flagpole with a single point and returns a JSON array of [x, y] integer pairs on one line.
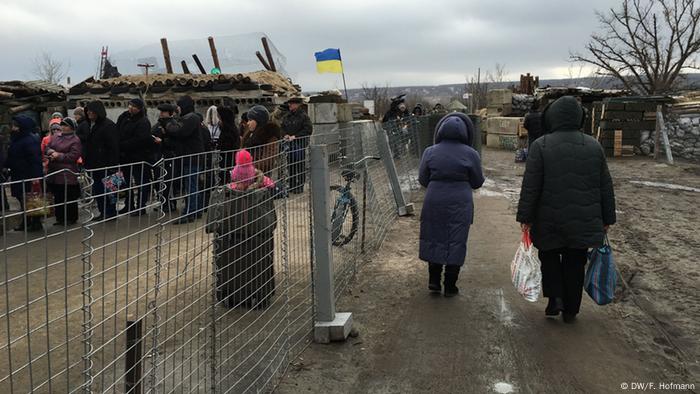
[[345, 86]]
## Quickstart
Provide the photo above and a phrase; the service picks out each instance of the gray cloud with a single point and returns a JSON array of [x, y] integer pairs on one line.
[[393, 42]]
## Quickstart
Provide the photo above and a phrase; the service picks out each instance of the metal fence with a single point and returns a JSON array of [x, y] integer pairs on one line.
[[214, 295]]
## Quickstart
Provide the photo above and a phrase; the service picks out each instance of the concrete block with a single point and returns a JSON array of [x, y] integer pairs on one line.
[[503, 125], [408, 210], [499, 110], [497, 97], [323, 113], [344, 113], [334, 331]]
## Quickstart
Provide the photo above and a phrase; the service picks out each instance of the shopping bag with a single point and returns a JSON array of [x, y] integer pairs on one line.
[[38, 203], [112, 183], [525, 270], [601, 276]]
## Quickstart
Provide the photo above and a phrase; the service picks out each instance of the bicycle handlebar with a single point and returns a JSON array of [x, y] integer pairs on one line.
[[359, 162]]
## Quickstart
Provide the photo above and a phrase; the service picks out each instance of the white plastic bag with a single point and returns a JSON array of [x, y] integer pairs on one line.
[[525, 270]]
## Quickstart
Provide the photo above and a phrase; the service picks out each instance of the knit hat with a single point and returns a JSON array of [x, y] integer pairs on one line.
[[55, 126], [259, 114], [243, 173], [138, 103], [165, 107], [79, 111], [56, 114], [70, 122]]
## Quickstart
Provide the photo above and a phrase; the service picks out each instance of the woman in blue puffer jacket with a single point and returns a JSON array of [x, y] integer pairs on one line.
[[451, 170]]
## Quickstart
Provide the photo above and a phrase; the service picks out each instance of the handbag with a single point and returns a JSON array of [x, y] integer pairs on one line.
[[601, 276], [112, 183]]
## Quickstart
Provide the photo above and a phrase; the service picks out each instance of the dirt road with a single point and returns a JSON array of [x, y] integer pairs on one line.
[[489, 339]]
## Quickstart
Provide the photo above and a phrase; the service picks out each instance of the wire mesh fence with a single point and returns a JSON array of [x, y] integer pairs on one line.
[[181, 275]]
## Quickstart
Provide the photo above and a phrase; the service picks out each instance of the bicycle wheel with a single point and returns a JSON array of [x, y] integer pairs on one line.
[[342, 232]]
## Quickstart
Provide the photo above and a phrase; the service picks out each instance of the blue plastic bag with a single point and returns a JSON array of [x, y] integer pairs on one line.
[[601, 276]]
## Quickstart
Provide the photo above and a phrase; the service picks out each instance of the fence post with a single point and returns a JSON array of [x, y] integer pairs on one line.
[[217, 171], [403, 208], [329, 326], [86, 278], [153, 304], [134, 353]]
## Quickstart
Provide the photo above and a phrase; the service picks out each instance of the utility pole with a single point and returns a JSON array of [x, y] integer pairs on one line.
[[145, 67]]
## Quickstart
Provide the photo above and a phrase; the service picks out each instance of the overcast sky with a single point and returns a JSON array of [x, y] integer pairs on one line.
[[382, 42]]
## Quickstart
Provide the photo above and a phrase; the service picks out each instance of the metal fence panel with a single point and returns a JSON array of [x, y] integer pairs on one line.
[[213, 295]]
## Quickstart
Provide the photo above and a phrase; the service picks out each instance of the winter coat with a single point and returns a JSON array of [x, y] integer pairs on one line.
[[187, 138], [230, 138], [101, 144], [262, 144], [533, 125], [23, 156], [167, 146], [297, 123], [395, 113], [451, 170], [69, 150], [135, 140], [567, 192]]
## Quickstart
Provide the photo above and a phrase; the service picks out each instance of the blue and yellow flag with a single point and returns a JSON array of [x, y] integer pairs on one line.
[[328, 61]]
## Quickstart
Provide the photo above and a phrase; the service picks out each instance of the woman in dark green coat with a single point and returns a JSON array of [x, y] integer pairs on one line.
[[567, 203]]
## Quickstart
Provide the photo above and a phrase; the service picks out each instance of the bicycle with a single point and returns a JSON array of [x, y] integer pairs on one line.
[[344, 202]]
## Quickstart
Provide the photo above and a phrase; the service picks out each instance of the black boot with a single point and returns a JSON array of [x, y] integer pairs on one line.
[[434, 275], [554, 307], [451, 276]]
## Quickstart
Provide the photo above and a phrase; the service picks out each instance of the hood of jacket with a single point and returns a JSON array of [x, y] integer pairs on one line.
[[186, 105], [457, 127], [25, 123], [98, 108], [565, 114]]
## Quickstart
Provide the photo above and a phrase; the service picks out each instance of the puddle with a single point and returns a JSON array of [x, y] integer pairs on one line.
[[669, 186], [505, 315], [503, 388]]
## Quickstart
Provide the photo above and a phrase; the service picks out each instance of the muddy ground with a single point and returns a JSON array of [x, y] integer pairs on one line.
[[490, 340]]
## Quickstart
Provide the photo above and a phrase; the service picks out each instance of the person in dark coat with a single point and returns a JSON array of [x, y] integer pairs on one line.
[[261, 139], [164, 148], [533, 123], [188, 142], [451, 170], [101, 155], [229, 140], [63, 153], [24, 162], [297, 128], [135, 149], [567, 203]]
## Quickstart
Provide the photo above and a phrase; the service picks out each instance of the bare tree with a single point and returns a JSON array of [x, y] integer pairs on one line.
[[380, 96], [498, 75], [478, 93], [47, 68], [646, 44]]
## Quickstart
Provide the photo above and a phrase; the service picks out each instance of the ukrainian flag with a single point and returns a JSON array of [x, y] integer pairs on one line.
[[328, 61]]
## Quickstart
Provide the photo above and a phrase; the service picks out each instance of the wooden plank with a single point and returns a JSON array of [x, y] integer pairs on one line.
[[657, 134], [166, 55], [618, 143]]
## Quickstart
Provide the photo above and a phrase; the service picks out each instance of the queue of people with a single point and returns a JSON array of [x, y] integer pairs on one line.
[[130, 148]]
